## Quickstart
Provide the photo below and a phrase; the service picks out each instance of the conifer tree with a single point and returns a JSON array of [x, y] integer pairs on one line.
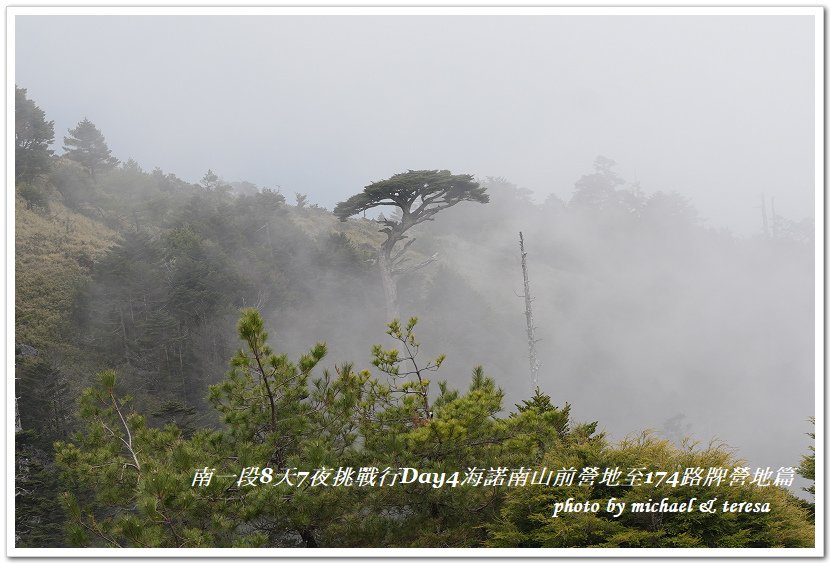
[[525, 517], [133, 485], [418, 195], [32, 137], [807, 468], [87, 146]]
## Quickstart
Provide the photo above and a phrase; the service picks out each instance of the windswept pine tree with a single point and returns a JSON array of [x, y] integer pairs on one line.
[[417, 195]]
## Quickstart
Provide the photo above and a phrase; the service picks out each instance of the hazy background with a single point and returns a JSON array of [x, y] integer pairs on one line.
[[641, 326], [717, 108]]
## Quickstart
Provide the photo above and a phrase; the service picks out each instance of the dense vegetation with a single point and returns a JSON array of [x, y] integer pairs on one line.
[[140, 277], [135, 481]]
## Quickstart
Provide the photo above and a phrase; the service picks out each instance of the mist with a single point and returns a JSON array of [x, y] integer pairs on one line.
[[646, 321], [633, 153], [718, 108]]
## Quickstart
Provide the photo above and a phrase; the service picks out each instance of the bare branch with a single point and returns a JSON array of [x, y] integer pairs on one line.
[[403, 249], [129, 441], [410, 269]]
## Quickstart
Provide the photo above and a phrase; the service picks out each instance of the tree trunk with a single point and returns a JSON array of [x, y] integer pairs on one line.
[[390, 289]]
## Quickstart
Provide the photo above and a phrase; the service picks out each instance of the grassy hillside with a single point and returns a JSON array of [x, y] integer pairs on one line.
[[55, 253], [319, 224]]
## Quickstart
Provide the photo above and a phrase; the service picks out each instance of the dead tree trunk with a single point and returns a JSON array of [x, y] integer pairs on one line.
[[531, 340]]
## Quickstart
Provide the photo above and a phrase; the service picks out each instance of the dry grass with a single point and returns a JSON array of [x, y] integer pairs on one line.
[[55, 252], [364, 234], [319, 224]]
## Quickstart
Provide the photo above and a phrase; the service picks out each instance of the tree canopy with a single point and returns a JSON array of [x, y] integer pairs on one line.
[[32, 137], [129, 484], [87, 146], [417, 195]]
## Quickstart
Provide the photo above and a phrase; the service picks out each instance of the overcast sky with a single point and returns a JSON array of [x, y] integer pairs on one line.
[[719, 109]]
